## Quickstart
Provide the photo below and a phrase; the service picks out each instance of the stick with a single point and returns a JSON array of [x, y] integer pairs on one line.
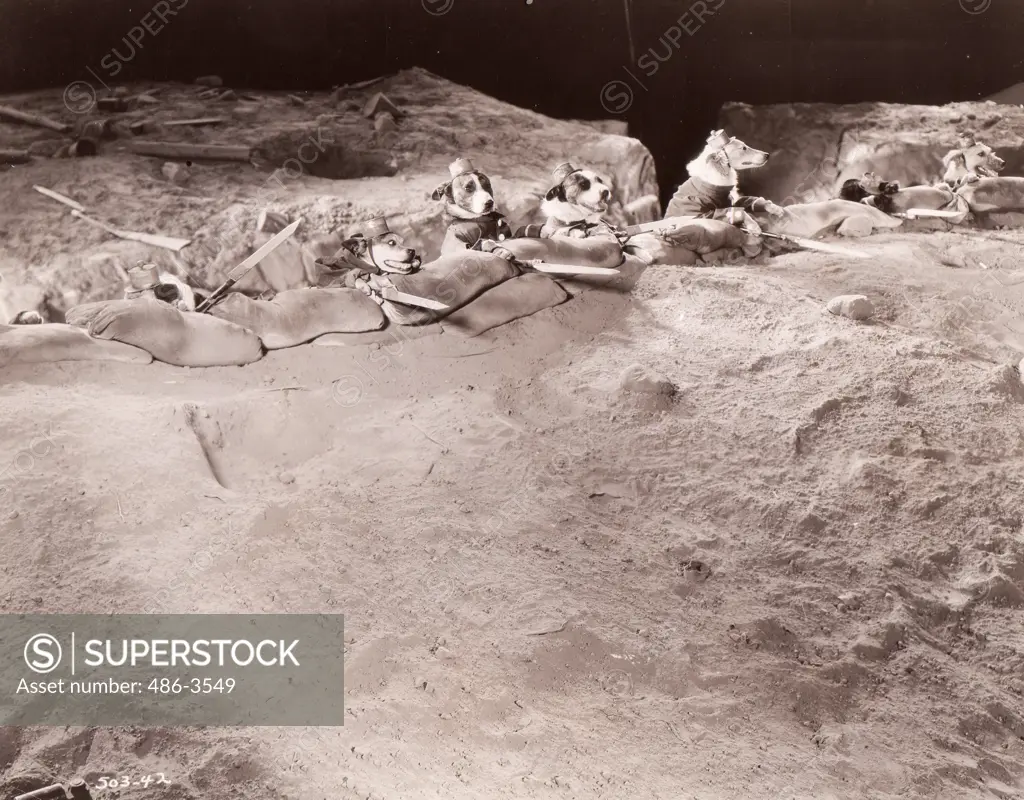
[[200, 151], [240, 271], [166, 242], [8, 113], [396, 296], [568, 269], [197, 122], [811, 244], [914, 213], [14, 156], [60, 198]]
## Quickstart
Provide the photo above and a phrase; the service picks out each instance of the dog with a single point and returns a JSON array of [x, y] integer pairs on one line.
[[27, 318], [470, 218], [712, 192], [366, 258], [146, 281], [890, 198], [574, 204], [870, 190], [971, 162]]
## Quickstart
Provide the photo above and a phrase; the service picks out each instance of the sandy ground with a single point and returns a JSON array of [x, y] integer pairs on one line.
[[801, 577]]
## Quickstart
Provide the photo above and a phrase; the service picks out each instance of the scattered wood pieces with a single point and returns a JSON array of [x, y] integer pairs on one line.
[[227, 94], [208, 94], [199, 122], [296, 100], [209, 80], [146, 100], [156, 240], [60, 198], [39, 121], [378, 103], [140, 127], [14, 157], [113, 104], [211, 152]]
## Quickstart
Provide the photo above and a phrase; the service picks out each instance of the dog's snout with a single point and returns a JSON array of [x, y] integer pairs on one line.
[[606, 192], [488, 204]]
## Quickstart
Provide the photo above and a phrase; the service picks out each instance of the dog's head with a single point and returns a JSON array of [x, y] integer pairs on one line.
[[853, 190], [732, 152], [468, 190], [872, 184], [27, 318], [980, 157], [175, 292], [580, 187], [386, 251]]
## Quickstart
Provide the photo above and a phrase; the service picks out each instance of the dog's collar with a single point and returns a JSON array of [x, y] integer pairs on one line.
[[456, 213]]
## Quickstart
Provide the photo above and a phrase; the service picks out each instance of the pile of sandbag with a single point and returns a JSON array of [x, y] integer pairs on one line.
[[481, 291]]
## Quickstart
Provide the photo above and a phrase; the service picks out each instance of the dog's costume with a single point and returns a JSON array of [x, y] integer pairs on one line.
[[471, 232], [703, 200], [464, 233]]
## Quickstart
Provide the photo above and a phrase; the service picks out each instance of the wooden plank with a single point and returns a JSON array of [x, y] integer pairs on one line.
[[39, 121], [60, 198], [201, 121], [14, 156]]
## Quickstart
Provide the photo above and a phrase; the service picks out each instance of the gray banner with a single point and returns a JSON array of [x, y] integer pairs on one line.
[[177, 669]]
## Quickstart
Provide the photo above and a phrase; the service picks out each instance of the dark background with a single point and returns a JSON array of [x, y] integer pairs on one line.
[[550, 55]]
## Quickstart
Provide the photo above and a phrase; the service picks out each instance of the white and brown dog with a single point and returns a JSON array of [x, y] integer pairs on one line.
[[366, 258], [470, 218], [971, 162], [574, 204], [712, 192]]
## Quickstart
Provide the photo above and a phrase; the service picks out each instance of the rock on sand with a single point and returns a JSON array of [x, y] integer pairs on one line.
[[637, 378], [851, 306]]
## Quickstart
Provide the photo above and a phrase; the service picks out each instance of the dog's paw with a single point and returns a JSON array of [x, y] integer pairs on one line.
[[496, 249], [774, 210]]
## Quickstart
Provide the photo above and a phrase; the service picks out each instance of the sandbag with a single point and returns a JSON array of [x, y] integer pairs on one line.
[[596, 251], [183, 338], [454, 280], [41, 344], [994, 194], [301, 315], [515, 298]]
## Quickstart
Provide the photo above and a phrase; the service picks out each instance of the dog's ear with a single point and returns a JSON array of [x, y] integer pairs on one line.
[[556, 192], [357, 245], [444, 190], [720, 160]]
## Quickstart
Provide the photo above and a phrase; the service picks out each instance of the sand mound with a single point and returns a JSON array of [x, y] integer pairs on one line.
[[323, 161]]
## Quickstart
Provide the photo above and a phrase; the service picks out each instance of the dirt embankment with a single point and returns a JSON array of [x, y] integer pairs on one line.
[[318, 158], [815, 147]]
